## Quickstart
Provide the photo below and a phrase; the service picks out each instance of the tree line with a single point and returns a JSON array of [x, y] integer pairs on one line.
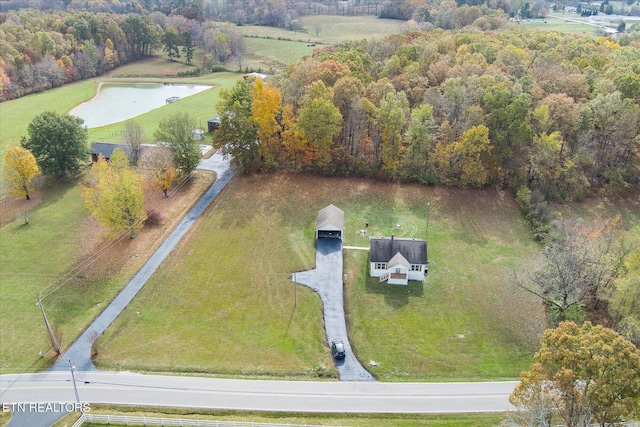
[[546, 115], [41, 50]]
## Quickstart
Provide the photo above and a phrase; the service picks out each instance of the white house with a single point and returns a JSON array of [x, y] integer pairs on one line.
[[398, 260]]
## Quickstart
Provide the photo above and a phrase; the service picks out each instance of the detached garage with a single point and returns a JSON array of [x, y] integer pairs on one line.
[[330, 223]]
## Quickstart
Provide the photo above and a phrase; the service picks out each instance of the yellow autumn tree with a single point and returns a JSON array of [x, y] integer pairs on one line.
[[265, 107], [20, 171], [114, 194]]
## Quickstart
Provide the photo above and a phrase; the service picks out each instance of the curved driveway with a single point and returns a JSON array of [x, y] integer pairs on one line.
[[326, 280]]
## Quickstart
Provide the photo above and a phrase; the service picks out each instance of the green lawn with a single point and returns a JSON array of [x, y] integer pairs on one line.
[[369, 420], [225, 298]]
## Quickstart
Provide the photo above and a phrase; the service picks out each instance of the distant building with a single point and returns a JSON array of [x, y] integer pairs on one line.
[[255, 76]]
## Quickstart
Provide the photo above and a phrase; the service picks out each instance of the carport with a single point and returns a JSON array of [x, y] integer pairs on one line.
[[330, 223]]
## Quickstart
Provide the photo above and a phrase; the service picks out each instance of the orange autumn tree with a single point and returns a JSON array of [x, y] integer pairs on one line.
[[581, 375]]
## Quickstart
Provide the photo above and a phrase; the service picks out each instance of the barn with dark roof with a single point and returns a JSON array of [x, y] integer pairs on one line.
[[398, 260]]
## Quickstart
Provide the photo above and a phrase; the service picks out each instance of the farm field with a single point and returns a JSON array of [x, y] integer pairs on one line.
[[569, 24], [225, 298], [332, 29]]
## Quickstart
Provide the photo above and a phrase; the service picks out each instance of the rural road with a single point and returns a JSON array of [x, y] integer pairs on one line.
[[287, 396]]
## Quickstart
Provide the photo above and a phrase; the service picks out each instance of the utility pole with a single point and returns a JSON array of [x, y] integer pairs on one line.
[[52, 337], [75, 387]]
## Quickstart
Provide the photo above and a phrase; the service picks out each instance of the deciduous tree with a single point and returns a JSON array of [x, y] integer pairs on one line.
[[266, 108], [114, 194], [580, 263], [176, 132], [625, 300], [582, 375], [237, 133], [133, 140], [158, 166], [419, 137], [58, 142], [20, 171], [318, 121]]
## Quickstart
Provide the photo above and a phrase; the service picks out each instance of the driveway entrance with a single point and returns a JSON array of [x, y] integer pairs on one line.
[[326, 280]]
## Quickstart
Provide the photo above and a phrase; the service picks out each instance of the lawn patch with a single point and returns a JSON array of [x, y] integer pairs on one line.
[[225, 298]]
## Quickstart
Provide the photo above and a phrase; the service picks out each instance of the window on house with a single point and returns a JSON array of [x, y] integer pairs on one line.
[[416, 267], [398, 270], [381, 266]]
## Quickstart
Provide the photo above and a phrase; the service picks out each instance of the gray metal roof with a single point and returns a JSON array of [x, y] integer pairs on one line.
[[330, 218], [383, 249]]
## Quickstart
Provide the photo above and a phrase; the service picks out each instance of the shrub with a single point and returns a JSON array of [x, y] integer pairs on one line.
[[154, 217]]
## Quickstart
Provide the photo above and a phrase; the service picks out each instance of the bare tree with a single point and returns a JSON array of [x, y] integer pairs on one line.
[[577, 269], [238, 48], [133, 140]]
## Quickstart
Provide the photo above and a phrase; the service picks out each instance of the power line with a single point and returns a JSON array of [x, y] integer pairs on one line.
[[70, 274]]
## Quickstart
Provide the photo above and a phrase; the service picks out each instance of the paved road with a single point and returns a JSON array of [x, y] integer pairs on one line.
[[286, 396], [326, 280]]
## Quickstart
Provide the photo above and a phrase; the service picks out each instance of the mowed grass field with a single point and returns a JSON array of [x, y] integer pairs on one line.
[[224, 303]]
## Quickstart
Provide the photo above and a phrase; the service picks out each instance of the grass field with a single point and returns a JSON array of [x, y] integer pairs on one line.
[[28, 263], [63, 255], [382, 420], [225, 298], [571, 25], [333, 29]]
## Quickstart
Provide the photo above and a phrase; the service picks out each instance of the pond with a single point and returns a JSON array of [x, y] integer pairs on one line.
[[118, 102]]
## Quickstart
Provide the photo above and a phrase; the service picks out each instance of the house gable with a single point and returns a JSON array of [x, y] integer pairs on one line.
[[330, 222]]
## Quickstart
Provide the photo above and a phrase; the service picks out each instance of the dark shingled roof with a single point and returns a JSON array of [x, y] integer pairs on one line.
[[105, 148], [382, 249]]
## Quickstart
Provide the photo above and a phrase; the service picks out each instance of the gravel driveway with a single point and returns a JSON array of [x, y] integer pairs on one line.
[[326, 280]]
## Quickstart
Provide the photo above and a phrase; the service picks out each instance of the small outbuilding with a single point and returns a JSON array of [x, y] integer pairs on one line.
[[330, 223], [398, 260], [197, 134], [213, 123]]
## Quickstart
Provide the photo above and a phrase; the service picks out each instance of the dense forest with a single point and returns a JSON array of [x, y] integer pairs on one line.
[[549, 116]]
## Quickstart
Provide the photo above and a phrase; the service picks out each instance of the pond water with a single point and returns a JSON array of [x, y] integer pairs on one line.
[[117, 102]]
